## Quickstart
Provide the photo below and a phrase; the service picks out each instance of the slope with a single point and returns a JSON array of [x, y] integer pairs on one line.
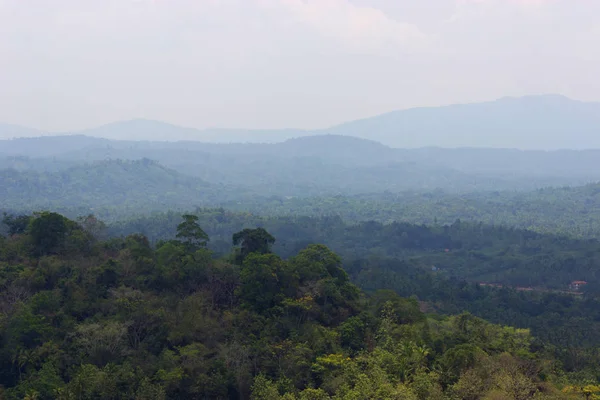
[[123, 185], [531, 122]]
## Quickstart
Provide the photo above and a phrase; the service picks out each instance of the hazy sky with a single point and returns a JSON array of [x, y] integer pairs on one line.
[[70, 64]]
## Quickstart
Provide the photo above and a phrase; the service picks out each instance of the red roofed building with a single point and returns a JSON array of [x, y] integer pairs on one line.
[[576, 285]]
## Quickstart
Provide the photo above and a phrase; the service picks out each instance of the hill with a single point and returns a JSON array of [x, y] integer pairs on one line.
[[246, 177], [325, 165], [532, 122], [114, 184], [545, 122]]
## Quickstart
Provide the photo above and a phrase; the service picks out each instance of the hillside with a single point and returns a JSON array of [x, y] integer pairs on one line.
[[321, 165], [336, 149], [46, 180], [126, 185], [545, 122], [534, 122]]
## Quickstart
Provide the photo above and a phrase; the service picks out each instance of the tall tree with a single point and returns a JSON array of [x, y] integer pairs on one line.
[[253, 241], [49, 231], [190, 233]]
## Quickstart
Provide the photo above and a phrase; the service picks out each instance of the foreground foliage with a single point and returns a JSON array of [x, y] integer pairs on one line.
[[82, 318], [535, 269]]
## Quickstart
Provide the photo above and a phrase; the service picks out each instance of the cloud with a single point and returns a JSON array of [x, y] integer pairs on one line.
[[358, 27]]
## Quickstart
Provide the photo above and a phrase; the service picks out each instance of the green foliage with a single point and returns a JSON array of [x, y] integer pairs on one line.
[[432, 264], [190, 232], [469, 251], [132, 320], [253, 241], [262, 277], [48, 232]]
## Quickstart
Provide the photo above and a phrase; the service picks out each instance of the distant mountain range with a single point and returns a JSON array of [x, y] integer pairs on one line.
[[533, 122], [301, 167]]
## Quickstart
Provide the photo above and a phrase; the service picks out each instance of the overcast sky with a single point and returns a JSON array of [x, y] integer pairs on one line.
[[71, 64]]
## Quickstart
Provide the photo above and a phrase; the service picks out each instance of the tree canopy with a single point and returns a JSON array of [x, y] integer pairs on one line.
[[122, 318]]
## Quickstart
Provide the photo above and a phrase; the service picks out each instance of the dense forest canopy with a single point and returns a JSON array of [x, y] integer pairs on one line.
[[85, 317], [535, 270], [472, 251], [574, 211], [355, 179]]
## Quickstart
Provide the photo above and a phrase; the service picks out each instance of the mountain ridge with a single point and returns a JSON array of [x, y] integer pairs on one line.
[[542, 122], [509, 122]]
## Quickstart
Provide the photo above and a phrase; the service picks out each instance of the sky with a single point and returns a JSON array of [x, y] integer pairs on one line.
[[72, 64]]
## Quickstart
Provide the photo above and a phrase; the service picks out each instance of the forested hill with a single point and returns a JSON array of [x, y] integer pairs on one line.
[[305, 167], [262, 178], [126, 186], [336, 149], [82, 318], [116, 190]]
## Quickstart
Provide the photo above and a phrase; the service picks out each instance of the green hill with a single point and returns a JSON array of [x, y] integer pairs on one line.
[[141, 185]]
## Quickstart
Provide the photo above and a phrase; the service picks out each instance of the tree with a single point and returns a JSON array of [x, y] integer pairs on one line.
[[49, 231], [190, 233], [317, 262], [262, 279], [16, 224], [253, 241]]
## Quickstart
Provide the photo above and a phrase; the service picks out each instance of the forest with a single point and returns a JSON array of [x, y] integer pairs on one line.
[[84, 315], [535, 270], [147, 270], [470, 251], [116, 190], [322, 165]]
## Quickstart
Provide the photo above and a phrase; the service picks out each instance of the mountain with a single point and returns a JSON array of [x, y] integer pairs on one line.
[[543, 122], [319, 165], [531, 122]]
